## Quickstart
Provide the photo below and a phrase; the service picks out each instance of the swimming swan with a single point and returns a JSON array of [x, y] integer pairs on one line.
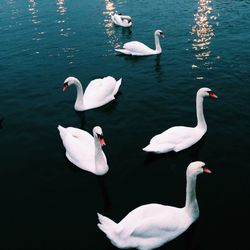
[[85, 150], [179, 137], [135, 48], [122, 20], [98, 92], [151, 226]]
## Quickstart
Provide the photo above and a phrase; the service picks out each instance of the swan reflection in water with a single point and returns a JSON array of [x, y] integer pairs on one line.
[[1, 121], [104, 192]]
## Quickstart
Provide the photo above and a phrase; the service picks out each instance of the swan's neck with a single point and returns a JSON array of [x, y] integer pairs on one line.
[[157, 44], [191, 205], [201, 123], [99, 157], [79, 97]]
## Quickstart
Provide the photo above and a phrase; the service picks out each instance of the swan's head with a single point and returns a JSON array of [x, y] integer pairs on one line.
[[159, 33], [97, 132], [197, 167], [206, 92], [68, 81]]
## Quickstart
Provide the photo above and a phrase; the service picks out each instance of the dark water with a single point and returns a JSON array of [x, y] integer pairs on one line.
[[46, 203]]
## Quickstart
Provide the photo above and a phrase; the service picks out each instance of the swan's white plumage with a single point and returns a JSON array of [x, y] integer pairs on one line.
[[81, 150], [121, 20], [136, 48], [150, 226], [180, 137], [98, 92]]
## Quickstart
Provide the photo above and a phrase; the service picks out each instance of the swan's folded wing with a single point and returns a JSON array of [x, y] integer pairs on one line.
[[136, 217], [174, 135], [136, 47], [99, 89], [117, 19], [156, 225]]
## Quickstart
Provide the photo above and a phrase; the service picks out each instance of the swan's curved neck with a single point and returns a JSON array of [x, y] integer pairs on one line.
[[157, 44], [201, 123], [79, 98], [99, 157], [191, 205]]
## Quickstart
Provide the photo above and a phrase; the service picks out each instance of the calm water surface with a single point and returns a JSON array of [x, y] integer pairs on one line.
[[46, 202]]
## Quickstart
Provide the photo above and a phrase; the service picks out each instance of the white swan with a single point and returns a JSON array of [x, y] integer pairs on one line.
[[98, 92], [179, 137], [135, 48], [150, 226], [122, 20], [85, 150]]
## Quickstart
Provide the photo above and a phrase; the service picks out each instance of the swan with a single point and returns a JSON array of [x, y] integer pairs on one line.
[[122, 20], [179, 137], [98, 92], [135, 48], [150, 226], [85, 150]]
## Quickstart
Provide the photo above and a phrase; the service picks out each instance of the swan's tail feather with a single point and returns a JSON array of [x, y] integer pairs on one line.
[[62, 130], [159, 148], [111, 229], [106, 225], [118, 84]]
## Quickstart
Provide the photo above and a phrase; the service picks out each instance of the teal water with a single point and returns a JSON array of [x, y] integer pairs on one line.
[[46, 203]]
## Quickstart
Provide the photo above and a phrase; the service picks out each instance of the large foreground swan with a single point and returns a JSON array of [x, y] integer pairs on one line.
[[85, 150], [98, 92], [150, 226], [135, 48], [122, 20], [179, 137]]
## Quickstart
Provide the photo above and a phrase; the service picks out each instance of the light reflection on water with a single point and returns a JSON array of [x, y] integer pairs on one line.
[[109, 27], [64, 30], [203, 33]]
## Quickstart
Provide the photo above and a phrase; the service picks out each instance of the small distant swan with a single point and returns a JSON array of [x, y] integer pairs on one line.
[[135, 48], [151, 226], [122, 20], [179, 137], [85, 150], [98, 93]]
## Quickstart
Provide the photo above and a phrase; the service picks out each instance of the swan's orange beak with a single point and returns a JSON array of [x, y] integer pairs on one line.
[[65, 86], [206, 170], [101, 140], [213, 95]]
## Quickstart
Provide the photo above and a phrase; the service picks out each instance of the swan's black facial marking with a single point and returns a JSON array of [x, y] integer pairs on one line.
[[101, 139], [161, 34], [65, 86], [100, 136]]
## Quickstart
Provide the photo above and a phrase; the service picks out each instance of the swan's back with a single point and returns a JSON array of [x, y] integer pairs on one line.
[[100, 91], [174, 135], [79, 146]]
